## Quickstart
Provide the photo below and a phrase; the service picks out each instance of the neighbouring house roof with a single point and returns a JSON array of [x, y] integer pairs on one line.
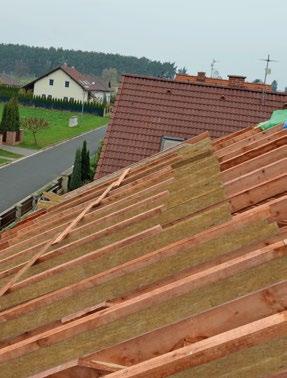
[[88, 82], [148, 109], [232, 81], [8, 80], [175, 266]]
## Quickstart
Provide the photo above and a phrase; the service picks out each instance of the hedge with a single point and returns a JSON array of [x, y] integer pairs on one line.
[[29, 100]]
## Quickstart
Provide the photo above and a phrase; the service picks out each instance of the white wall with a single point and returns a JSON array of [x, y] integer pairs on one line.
[[100, 96], [58, 89]]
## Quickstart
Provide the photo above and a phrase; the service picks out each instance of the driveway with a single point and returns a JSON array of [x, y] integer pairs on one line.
[[26, 176]]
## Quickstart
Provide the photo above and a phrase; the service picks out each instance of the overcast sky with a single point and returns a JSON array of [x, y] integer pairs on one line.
[[188, 32]]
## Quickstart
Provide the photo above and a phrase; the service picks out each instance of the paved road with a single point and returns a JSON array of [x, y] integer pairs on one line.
[[24, 177]]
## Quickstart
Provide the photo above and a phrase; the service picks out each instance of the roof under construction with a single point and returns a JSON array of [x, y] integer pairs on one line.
[[173, 267]]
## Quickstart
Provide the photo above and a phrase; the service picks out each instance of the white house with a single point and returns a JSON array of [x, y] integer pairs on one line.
[[67, 83]]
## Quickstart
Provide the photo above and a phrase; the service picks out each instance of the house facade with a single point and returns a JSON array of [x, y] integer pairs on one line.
[[67, 83]]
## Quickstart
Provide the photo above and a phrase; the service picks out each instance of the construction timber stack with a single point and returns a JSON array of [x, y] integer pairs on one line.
[[173, 267]]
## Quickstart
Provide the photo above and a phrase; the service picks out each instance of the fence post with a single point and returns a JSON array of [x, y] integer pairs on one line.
[[65, 183], [18, 208], [34, 202]]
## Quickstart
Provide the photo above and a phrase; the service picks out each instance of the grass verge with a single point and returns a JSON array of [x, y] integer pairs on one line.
[[59, 129]]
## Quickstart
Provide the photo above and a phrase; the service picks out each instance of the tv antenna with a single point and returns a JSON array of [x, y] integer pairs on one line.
[[212, 67], [267, 72]]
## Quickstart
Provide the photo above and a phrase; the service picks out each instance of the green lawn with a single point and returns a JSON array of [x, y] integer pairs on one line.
[[59, 129], [8, 154], [3, 161]]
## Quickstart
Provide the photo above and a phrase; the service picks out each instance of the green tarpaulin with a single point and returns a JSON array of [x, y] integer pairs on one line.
[[278, 116]]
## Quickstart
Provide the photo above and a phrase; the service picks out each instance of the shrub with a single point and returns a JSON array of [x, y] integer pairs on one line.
[[76, 177], [85, 154]]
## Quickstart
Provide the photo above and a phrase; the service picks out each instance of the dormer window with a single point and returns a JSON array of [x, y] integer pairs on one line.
[[51, 82], [170, 141], [67, 84]]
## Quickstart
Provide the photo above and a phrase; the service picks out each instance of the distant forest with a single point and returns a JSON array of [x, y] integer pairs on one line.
[[25, 61]]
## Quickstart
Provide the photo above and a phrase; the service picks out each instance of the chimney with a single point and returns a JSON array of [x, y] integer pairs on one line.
[[201, 77], [236, 81]]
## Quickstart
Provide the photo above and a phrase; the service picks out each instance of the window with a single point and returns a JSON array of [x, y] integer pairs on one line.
[[67, 84], [51, 82], [43, 96], [65, 98], [168, 142], [50, 97], [72, 99]]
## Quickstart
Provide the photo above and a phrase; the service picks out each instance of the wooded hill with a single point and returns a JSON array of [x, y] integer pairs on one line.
[[22, 60]]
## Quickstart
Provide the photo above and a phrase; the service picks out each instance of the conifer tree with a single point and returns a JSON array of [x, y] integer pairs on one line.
[[10, 117], [85, 163], [76, 177], [3, 124], [15, 117]]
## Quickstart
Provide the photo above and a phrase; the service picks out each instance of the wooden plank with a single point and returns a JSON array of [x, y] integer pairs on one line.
[[146, 259], [89, 310], [273, 144], [252, 146], [236, 222], [197, 138], [252, 196], [242, 310], [255, 163], [281, 374], [245, 143], [251, 179], [145, 300], [62, 235], [24, 269], [67, 230], [56, 369], [138, 194], [86, 257], [114, 197], [97, 202], [117, 204], [233, 137], [64, 292], [241, 134], [210, 349], [153, 200], [101, 365]]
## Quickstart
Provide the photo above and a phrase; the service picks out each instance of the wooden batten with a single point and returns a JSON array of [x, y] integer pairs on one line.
[[166, 265], [207, 350]]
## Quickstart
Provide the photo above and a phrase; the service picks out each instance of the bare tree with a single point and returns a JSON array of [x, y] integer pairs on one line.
[[34, 125]]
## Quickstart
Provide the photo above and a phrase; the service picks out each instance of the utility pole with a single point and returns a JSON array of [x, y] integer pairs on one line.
[[267, 72], [212, 67]]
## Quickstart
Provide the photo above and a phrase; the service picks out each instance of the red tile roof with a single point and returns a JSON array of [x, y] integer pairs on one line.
[[232, 79], [147, 109], [86, 81], [90, 82]]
